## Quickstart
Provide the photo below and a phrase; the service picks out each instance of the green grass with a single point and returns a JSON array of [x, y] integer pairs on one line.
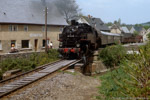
[[109, 89]]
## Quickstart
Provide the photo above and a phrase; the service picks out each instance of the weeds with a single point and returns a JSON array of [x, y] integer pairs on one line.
[[34, 61], [131, 80]]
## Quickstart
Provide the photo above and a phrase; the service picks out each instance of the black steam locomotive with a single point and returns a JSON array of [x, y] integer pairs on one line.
[[78, 40]]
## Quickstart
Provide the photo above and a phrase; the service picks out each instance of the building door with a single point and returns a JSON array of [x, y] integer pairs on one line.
[[36, 44]]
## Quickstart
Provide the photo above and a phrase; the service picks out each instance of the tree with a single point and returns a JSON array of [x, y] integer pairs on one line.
[[135, 33], [68, 8], [124, 24], [146, 27], [148, 36], [137, 69], [138, 25], [119, 21], [109, 24], [115, 22]]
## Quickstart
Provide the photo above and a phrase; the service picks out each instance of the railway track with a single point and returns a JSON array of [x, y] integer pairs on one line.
[[15, 83]]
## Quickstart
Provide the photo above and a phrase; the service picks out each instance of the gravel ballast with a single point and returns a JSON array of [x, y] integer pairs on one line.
[[65, 86]]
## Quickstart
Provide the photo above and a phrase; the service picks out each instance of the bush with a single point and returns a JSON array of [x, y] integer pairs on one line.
[[131, 80], [139, 71], [112, 55], [28, 64]]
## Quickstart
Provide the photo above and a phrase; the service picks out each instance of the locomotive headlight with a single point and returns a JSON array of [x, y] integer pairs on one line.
[[78, 45]]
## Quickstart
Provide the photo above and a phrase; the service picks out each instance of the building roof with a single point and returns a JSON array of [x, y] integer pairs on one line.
[[138, 28], [125, 29], [114, 26], [111, 34], [97, 23], [29, 12]]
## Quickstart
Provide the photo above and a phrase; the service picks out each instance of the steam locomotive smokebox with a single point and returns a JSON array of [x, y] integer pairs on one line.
[[73, 22]]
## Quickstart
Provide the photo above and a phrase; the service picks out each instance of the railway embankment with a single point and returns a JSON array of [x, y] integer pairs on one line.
[[130, 79]]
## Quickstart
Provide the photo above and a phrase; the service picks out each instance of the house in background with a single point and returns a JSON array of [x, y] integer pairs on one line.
[[139, 29], [115, 29], [94, 22], [125, 29], [126, 33], [83, 19], [22, 24], [145, 37]]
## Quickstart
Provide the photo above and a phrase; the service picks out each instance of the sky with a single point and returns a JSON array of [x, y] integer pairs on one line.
[[129, 11]]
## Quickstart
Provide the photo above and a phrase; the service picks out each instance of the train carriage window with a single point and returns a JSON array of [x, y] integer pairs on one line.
[[25, 43]]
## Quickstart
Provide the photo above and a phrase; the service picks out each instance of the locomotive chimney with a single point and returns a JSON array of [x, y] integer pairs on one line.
[[73, 22]]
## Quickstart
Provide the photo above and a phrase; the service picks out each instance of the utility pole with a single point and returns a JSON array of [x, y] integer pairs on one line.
[[46, 49]]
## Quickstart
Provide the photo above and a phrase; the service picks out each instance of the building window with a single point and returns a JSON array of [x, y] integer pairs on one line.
[[43, 43], [25, 43], [13, 27], [61, 29], [13, 43], [10, 27], [43, 28], [25, 28], [0, 45]]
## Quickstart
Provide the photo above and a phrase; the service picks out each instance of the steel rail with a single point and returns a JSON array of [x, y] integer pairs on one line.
[[28, 72], [48, 70]]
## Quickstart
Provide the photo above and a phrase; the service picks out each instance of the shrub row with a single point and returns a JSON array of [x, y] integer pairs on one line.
[[28, 64], [112, 55]]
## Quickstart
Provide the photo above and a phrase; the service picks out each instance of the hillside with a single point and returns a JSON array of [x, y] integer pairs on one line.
[[146, 24]]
